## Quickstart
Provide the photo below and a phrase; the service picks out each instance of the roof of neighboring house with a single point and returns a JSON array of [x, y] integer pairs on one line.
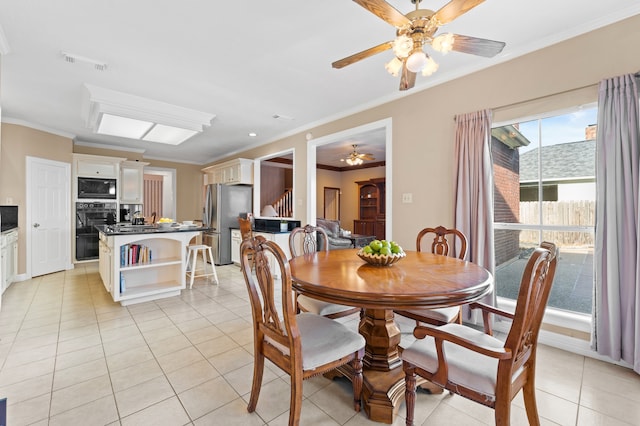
[[560, 162]]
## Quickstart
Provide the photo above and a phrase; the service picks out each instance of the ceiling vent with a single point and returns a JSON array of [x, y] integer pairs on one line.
[[73, 58]]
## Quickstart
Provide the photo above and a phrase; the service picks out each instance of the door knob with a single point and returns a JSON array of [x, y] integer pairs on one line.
[[36, 225]]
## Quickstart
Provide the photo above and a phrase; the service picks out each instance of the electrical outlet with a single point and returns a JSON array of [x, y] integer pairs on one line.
[[407, 197]]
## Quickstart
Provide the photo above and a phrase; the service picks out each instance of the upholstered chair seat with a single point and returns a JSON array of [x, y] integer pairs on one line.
[[323, 340]]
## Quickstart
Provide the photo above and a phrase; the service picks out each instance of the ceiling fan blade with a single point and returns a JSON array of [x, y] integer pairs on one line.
[[368, 157], [385, 11], [453, 9], [362, 55], [408, 79], [477, 46]]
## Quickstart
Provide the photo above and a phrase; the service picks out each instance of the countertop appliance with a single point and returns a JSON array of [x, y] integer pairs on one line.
[[87, 216], [97, 188], [8, 217], [223, 204]]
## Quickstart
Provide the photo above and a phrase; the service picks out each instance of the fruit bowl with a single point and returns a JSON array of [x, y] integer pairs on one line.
[[165, 224], [380, 259]]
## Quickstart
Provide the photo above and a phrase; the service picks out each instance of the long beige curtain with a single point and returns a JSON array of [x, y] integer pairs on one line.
[[616, 313], [474, 188]]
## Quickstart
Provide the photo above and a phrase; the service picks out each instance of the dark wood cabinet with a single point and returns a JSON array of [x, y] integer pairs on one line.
[[371, 207]]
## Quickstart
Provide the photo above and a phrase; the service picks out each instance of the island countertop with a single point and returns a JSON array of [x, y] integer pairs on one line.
[[146, 229]]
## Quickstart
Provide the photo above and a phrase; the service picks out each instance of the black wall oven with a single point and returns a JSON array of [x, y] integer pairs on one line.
[[97, 188], [87, 216]]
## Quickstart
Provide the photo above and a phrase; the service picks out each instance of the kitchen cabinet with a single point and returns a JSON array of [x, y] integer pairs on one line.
[[161, 275], [236, 240], [105, 262], [131, 182], [8, 258], [96, 166], [234, 172]]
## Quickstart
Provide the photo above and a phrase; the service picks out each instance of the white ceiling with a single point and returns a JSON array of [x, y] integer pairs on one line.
[[244, 61]]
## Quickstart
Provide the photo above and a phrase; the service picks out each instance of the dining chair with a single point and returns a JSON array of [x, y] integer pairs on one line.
[[303, 240], [478, 366], [302, 345], [442, 244], [245, 231]]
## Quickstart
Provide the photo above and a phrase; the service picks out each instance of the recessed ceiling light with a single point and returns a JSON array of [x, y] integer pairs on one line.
[[253, 134]]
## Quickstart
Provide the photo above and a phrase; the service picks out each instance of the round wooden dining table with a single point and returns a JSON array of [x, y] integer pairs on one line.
[[420, 280]]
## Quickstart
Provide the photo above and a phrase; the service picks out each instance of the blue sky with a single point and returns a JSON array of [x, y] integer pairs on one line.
[[559, 129]]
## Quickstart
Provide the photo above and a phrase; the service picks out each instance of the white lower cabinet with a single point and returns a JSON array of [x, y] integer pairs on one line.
[[144, 267], [236, 240], [8, 258], [281, 239]]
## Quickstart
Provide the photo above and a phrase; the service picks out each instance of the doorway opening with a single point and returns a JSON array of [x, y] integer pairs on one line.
[[340, 137], [331, 203]]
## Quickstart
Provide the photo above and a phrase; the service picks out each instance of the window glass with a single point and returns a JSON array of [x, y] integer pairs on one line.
[[544, 174]]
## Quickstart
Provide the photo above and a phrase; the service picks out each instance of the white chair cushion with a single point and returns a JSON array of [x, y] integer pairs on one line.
[[439, 314], [323, 340], [466, 367], [315, 306]]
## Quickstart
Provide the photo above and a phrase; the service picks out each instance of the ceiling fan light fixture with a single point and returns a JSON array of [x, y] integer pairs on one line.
[[430, 67], [354, 161], [443, 43], [417, 61], [394, 66], [402, 46]]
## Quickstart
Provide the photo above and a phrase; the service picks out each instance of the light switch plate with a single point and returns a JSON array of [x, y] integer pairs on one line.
[[407, 197]]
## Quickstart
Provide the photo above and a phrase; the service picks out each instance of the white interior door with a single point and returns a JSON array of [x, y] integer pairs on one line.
[[48, 216]]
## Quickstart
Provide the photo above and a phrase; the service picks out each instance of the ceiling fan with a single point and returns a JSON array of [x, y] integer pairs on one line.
[[355, 158], [417, 29]]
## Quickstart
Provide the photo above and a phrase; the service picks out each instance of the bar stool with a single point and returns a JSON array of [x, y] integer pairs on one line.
[[192, 257]]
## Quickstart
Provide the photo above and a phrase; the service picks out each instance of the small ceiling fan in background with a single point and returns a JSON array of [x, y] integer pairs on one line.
[[417, 29], [355, 158]]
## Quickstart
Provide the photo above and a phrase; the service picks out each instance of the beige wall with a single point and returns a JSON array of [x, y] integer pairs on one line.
[[423, 123], [18, 142]]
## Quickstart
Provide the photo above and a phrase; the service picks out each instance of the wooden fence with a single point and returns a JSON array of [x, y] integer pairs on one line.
[[559, 213]]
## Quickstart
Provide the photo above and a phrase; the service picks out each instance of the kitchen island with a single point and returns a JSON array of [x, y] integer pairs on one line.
[[139, 263]]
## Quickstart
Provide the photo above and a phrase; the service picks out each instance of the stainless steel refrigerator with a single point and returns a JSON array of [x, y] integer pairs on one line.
[[223, 204]]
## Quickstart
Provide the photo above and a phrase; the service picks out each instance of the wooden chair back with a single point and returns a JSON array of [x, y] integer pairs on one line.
[[245, 228], [304, 240], [515, 358], [274, 317], [534, 292], [444, 241], [277, 331]]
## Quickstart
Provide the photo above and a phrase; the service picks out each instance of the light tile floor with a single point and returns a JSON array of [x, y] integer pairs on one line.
[[69, 355]]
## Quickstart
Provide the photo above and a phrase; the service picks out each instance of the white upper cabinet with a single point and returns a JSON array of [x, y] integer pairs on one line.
[[131, 182], [96, 166], [234, 172]]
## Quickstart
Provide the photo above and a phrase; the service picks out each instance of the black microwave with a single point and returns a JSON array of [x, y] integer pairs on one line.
[[97, 188]]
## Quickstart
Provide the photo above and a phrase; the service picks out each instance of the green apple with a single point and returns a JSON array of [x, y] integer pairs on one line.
[[375, 245]]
